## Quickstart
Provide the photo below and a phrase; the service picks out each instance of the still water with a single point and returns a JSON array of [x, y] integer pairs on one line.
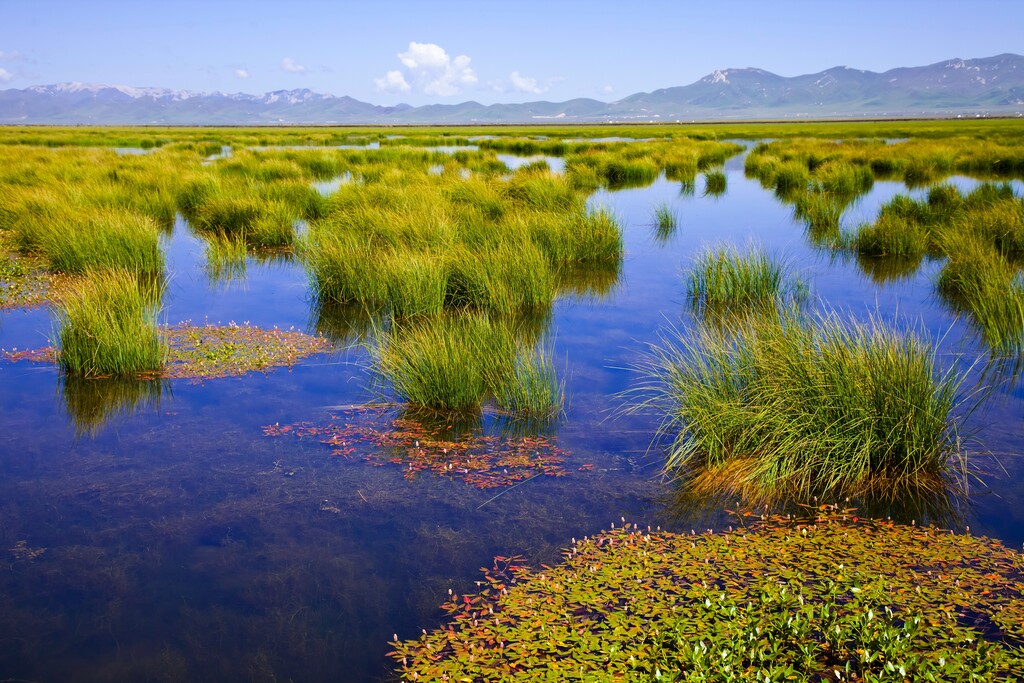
[[155, 533]]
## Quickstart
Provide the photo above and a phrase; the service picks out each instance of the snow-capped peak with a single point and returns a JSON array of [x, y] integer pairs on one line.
[[95, 88], [717, 76]]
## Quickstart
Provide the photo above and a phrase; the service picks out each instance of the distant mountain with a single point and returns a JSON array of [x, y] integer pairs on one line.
[[989, 86]]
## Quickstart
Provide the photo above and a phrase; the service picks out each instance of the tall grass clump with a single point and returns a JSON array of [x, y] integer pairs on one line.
[[821, 212], [724, 279], [664, 217], [892, 235], [791, 178], [83, 239], [665, 222], [980, 280], [109, 327], [533, 389], [843, 178], [447, 363], [715, 184], [789, 406], [620, 172], [457, 362]]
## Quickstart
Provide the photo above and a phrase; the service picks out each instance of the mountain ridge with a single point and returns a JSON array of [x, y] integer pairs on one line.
[[983, 86]]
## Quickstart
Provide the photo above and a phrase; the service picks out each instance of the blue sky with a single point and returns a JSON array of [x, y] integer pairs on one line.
[[451, 51]]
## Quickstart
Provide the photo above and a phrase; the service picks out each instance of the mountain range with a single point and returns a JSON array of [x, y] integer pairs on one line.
[[991, 86]]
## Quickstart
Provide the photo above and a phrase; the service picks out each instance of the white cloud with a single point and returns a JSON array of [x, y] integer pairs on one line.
[[393, 81], [523, 83], [292, 67], [9, 56], [607, 90], [5, 75], [242, 73], [430, 70]]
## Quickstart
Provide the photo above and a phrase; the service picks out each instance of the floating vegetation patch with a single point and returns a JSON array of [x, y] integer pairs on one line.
[[211, 351], [207, 351], [778, 599], [24, 281], [476, 456]]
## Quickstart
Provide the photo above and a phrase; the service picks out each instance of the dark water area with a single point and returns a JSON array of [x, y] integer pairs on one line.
[[150, 531]]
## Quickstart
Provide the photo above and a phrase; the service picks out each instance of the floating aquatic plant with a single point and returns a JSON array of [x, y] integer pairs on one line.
[[823, 599], [211, 351]]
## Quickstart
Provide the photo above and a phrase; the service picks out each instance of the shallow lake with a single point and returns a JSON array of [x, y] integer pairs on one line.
[[157, 533]]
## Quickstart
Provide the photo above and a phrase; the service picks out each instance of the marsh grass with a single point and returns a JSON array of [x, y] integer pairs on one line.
[[981, 234], [448, 363], [226, 259], [533, 390], [821, 212], [109, 327], [724, 280], [892, 235], [76, 240], [665, 221], [715, 184], [980, 280], [788, 406], [418, 244], [455, 363]]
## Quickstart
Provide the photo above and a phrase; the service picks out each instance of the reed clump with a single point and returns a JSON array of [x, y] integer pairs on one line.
[[791, 406], [108, 327]]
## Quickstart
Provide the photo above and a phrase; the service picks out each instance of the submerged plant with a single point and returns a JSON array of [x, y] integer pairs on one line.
[[481, 455]]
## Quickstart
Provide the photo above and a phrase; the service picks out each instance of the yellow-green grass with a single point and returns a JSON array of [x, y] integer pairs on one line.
[[415, 243], [715, 183]]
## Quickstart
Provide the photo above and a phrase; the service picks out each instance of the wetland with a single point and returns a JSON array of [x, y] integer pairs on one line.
[[273, 397]]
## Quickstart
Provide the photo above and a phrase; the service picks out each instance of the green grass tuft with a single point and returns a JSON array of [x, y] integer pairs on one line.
[[109, 328], [725, 280], [789, 406]]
